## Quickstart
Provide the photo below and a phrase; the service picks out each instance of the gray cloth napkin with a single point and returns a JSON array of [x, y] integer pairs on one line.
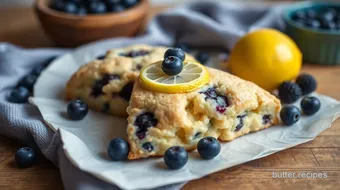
[[216, 25]]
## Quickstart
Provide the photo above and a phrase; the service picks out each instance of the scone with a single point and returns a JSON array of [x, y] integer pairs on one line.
[[225, 108], [106, 84]]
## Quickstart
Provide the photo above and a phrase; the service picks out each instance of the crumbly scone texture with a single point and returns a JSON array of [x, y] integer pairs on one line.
[[106, 85], [225, 108]]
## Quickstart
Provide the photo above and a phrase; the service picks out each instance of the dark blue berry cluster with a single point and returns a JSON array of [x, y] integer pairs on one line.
[[84, 7], [289, 92], [327, 18], [24, 88]]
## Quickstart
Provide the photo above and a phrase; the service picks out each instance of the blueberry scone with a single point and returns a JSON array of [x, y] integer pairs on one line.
[[225, 108], [105, 84]]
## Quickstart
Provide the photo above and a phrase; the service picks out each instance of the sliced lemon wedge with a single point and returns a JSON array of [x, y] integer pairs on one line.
[[192, 77]]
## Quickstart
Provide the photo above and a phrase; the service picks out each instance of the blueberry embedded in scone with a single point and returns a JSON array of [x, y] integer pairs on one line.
[[106, 83], [225, 107]]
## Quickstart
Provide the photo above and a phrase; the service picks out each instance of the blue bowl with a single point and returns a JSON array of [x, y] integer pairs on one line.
[[318, 46]]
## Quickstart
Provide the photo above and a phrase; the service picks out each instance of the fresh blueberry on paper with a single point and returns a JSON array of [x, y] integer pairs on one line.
[[77, 109], [289, 92], [290, 115], [172, 65], [118, 149], [19, 95], [177, 52], [203, 57], [307, 83], [176, 157], [26, 157], [310, 105], [208, 147]]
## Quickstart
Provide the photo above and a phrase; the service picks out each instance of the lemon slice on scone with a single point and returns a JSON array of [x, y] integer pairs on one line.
[[192, 76]]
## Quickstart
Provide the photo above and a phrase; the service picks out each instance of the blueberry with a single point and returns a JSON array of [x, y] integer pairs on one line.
[[172, 65], [82, 11], [143, 123], [203, 57], [208, 147], [129, 3], [28, 82], [177, 52], [311, 14], [310, 105], [313, 23], [307, 83], [118, 149], [116, 8], [97, 7], [266, 119], [126, 91], [289, 92], [299, 15], [70, 7], [221, 101], [329, 14], [113, 2], [77, 109], [240, 125], [176, 157], [148, 146], [101, 57], [135, 53], [97, 88], [19, 95], [58, 5], [290, 115], [26, 157], [183, 47], [329, 25]]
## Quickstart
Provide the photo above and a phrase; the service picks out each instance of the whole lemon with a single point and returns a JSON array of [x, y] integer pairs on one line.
[[266, 57]]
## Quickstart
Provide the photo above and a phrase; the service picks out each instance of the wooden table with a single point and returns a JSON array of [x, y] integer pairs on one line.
[[322, 155]]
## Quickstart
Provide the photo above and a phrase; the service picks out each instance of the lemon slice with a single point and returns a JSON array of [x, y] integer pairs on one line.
[[192, 77]]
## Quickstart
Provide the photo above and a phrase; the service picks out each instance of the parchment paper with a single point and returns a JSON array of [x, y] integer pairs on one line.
[[85, 141]]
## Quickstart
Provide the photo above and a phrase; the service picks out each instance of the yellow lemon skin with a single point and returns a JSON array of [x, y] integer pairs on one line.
[[266, 57]]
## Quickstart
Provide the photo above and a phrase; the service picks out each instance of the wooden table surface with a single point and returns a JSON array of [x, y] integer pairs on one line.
[[322, 155]]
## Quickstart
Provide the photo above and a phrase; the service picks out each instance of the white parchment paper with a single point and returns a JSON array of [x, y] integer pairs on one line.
[[85, 141]]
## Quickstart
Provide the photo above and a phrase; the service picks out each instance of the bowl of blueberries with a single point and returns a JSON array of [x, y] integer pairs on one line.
[[315, 27], [72, 23]]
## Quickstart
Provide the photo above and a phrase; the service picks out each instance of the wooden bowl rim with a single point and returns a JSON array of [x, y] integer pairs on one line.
[[42, 6]]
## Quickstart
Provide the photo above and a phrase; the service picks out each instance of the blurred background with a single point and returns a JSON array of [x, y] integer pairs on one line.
[[155, 2]]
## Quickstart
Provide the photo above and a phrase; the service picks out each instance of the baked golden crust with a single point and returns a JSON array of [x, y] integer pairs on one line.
[[226, 108], [112, 78]]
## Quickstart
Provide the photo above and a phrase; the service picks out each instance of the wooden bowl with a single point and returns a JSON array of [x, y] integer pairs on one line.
[[72, 30]]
